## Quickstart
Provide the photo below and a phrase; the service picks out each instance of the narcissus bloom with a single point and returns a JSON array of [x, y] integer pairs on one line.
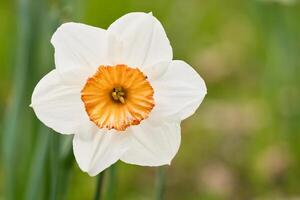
[[119, 91]]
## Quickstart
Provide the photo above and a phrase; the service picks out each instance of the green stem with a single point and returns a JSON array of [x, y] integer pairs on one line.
[[160, 183], [111, 183], [99, 186]]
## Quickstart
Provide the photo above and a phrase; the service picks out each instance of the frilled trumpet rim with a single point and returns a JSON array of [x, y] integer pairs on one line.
[[116, 97]]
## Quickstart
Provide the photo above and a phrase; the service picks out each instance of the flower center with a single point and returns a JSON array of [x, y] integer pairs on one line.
[[116, 97], [118, 94]]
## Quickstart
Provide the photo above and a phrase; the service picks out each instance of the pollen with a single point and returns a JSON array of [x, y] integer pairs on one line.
[[116, 97], [118, 94]]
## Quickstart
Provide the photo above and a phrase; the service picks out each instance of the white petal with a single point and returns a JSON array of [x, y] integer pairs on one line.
[[178, 92], [79, 46], [157, 70], [153, 144], [144, 40], [58, 105], [96, 149]]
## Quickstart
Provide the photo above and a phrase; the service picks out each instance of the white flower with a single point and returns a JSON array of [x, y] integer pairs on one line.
[[119, 91]]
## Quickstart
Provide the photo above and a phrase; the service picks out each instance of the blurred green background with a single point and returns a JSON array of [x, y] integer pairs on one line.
[[243, 142]]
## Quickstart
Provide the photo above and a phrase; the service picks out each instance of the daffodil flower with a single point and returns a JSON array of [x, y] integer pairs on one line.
[[119, 92]]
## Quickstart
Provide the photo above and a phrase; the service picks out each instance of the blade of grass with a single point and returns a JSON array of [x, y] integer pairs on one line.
[[13, 113], [38, 36], [55, 165], [67, 162], [38, 164]]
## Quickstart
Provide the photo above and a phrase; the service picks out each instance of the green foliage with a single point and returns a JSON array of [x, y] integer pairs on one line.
[[243, 142]]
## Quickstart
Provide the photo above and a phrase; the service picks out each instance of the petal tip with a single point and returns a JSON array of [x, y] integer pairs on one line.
[[91, 173], [59, 29]]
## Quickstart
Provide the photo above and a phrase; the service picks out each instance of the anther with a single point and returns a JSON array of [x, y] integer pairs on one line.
[[118, 94], [121, 99]]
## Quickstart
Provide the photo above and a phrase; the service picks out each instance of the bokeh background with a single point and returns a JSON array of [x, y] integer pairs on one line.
[[243, 142]]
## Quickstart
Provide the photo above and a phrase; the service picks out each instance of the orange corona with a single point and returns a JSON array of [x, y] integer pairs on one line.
[[116, 97]]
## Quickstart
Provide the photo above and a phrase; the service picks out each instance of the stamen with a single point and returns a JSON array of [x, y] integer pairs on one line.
[[118, 94]]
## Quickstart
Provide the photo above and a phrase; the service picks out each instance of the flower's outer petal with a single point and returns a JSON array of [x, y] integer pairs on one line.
[[153, 144], [144, 41], [96, 149], [157, 70], [81, 47], [57, 105], [178, 92]]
